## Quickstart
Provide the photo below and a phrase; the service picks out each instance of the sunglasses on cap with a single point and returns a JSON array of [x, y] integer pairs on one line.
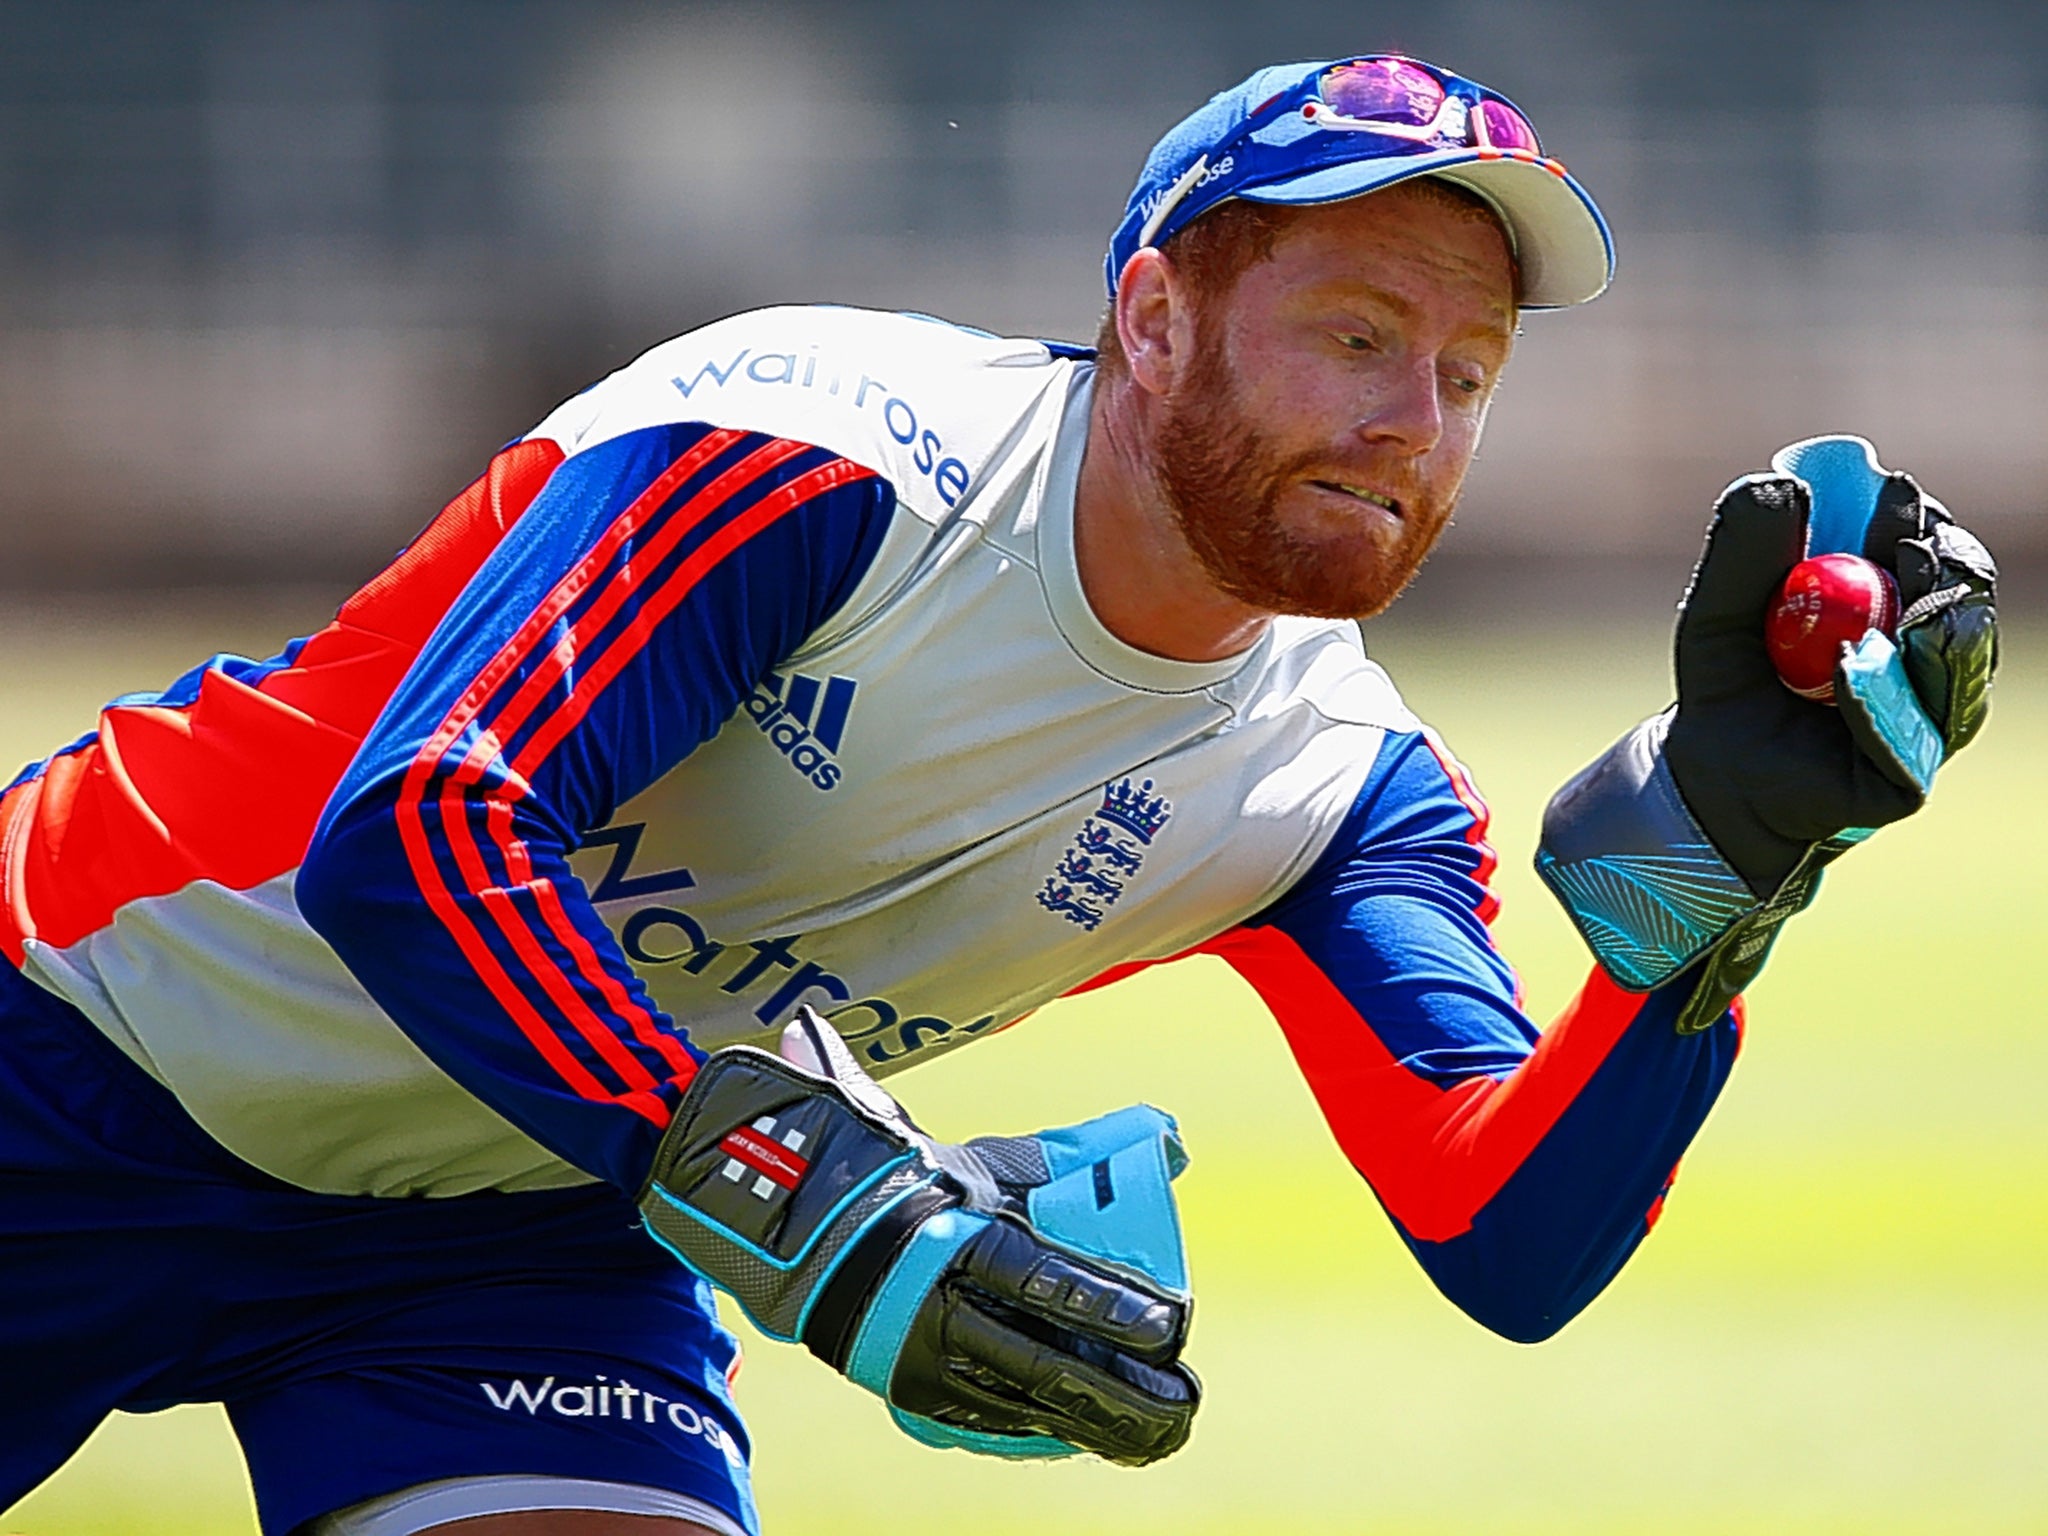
[[1414, 106]]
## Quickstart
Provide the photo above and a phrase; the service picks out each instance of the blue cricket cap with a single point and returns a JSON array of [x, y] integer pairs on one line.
[[1322, 132]]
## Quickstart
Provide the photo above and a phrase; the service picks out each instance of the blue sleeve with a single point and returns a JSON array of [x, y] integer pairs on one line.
[[620, 622], [1521, 1169]]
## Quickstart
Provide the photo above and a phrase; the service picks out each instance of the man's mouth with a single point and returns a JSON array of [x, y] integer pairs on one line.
[[1374, 498]]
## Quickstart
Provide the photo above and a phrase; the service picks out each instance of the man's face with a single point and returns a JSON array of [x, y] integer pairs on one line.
[[1313, 448]]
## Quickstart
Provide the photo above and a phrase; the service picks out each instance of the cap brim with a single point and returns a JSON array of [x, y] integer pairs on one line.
[[1561, 241]]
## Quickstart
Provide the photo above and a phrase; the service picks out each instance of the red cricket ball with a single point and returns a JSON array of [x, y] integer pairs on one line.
[[1827, 602]]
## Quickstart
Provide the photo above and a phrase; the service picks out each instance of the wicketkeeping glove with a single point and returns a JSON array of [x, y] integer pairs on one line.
[[1019, 1296], [1701, 831]]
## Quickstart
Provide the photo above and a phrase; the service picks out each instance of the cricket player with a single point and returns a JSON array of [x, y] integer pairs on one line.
[[401, 1035]]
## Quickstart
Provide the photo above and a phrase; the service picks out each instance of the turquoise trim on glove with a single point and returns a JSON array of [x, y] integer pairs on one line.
[[1646, 917], [945, 1437], [1110, 1196], [1875, 674], [1076, 1146], [1842, 478], [901, 1294]]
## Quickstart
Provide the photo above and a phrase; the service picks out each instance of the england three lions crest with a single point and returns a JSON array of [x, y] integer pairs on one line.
[[1106, 854]]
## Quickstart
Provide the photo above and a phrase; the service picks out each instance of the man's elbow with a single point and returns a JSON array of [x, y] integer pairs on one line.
[[1510, 1294], [1517, 1318]]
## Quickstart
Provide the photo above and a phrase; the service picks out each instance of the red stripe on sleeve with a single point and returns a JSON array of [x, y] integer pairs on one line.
[[418, 844], [625, 586], [592, 682], [586, 687], [1482, 819], [566, 591], [498, 902], [1434, 1156], [682, 1066], [412, 832]]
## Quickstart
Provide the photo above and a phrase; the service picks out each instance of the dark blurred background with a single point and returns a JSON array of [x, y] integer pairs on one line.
[[276, 277]]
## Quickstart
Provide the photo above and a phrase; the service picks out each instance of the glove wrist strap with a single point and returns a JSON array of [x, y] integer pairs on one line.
[[886, 1324], [769, 1177], [1648, 891], [836, 1313], [1740, 954]]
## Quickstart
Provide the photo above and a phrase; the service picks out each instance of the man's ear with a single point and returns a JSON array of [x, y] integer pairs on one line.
[[1154, 321]]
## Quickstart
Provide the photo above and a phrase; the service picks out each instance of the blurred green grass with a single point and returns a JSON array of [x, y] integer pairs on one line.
[[1839, 1326]]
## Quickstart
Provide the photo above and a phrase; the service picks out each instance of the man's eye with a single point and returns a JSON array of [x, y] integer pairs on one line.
[[1352, 341], [1467, 386]]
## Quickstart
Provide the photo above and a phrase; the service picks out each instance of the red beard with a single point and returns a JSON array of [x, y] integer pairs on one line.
[[1223, 482]]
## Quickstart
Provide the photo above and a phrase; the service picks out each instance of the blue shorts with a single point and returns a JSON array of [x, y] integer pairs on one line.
[[361, 1345]]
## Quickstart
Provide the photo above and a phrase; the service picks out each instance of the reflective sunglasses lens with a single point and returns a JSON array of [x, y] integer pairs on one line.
[[1384, 91], [1506, 128]]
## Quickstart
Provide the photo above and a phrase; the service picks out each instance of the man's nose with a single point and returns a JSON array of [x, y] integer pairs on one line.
[[1407, 412]]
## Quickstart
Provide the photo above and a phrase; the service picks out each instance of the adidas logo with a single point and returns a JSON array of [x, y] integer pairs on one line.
[[805, 721]]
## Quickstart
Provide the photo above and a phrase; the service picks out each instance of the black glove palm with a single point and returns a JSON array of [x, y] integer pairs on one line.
[[1781, 785], [1768, 773], [1691, 840]]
